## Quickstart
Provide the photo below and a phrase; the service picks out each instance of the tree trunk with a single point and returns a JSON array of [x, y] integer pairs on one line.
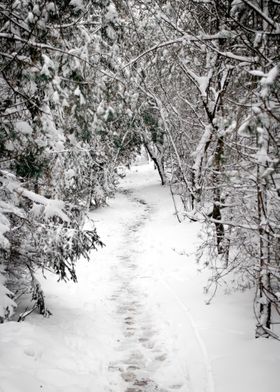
[[216, 214], [264, 292], [158, 161]]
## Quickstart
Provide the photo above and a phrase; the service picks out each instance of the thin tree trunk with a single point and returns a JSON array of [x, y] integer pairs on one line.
[[216, 214], [263, 280], [158, 163]]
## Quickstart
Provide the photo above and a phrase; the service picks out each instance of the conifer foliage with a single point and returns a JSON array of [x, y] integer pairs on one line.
[[58, 142]]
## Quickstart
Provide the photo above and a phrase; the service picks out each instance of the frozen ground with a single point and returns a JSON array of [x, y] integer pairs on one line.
[[137, 319]]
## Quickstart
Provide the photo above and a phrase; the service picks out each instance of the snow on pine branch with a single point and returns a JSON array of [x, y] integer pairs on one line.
[[78, 4], [5, 209], [7, 305], [268, 79], [4, 227], [50, 207], [202, 82]]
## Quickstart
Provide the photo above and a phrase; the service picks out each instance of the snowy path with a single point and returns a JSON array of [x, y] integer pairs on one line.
[[137, 320], [130, 309], [154, 347], [142, 354]]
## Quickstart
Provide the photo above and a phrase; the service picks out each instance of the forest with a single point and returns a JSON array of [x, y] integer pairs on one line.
[[85, 84]]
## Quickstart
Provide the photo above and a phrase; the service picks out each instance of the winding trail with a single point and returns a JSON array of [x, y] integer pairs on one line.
[[126, 326], [141, 355], [159, 348]]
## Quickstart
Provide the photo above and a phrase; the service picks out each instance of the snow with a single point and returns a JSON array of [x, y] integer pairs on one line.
[[7, 304], [202, 81], [112, 14], [269, 80], [23, 127], [36, 10], [50, 7], [55, 136], [137, 320], [200, 148], [271, 76], [78, 93], [55, 97], [79, 4], [257, 72], [52, 207], [48, 65], [243, 130], [6, 208], [4, 227]]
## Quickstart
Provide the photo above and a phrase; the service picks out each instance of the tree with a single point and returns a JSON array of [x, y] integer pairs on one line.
[[55, 161], [201, 60]]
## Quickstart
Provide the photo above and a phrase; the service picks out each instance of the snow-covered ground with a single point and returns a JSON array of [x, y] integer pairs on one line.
[[137, 320]]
